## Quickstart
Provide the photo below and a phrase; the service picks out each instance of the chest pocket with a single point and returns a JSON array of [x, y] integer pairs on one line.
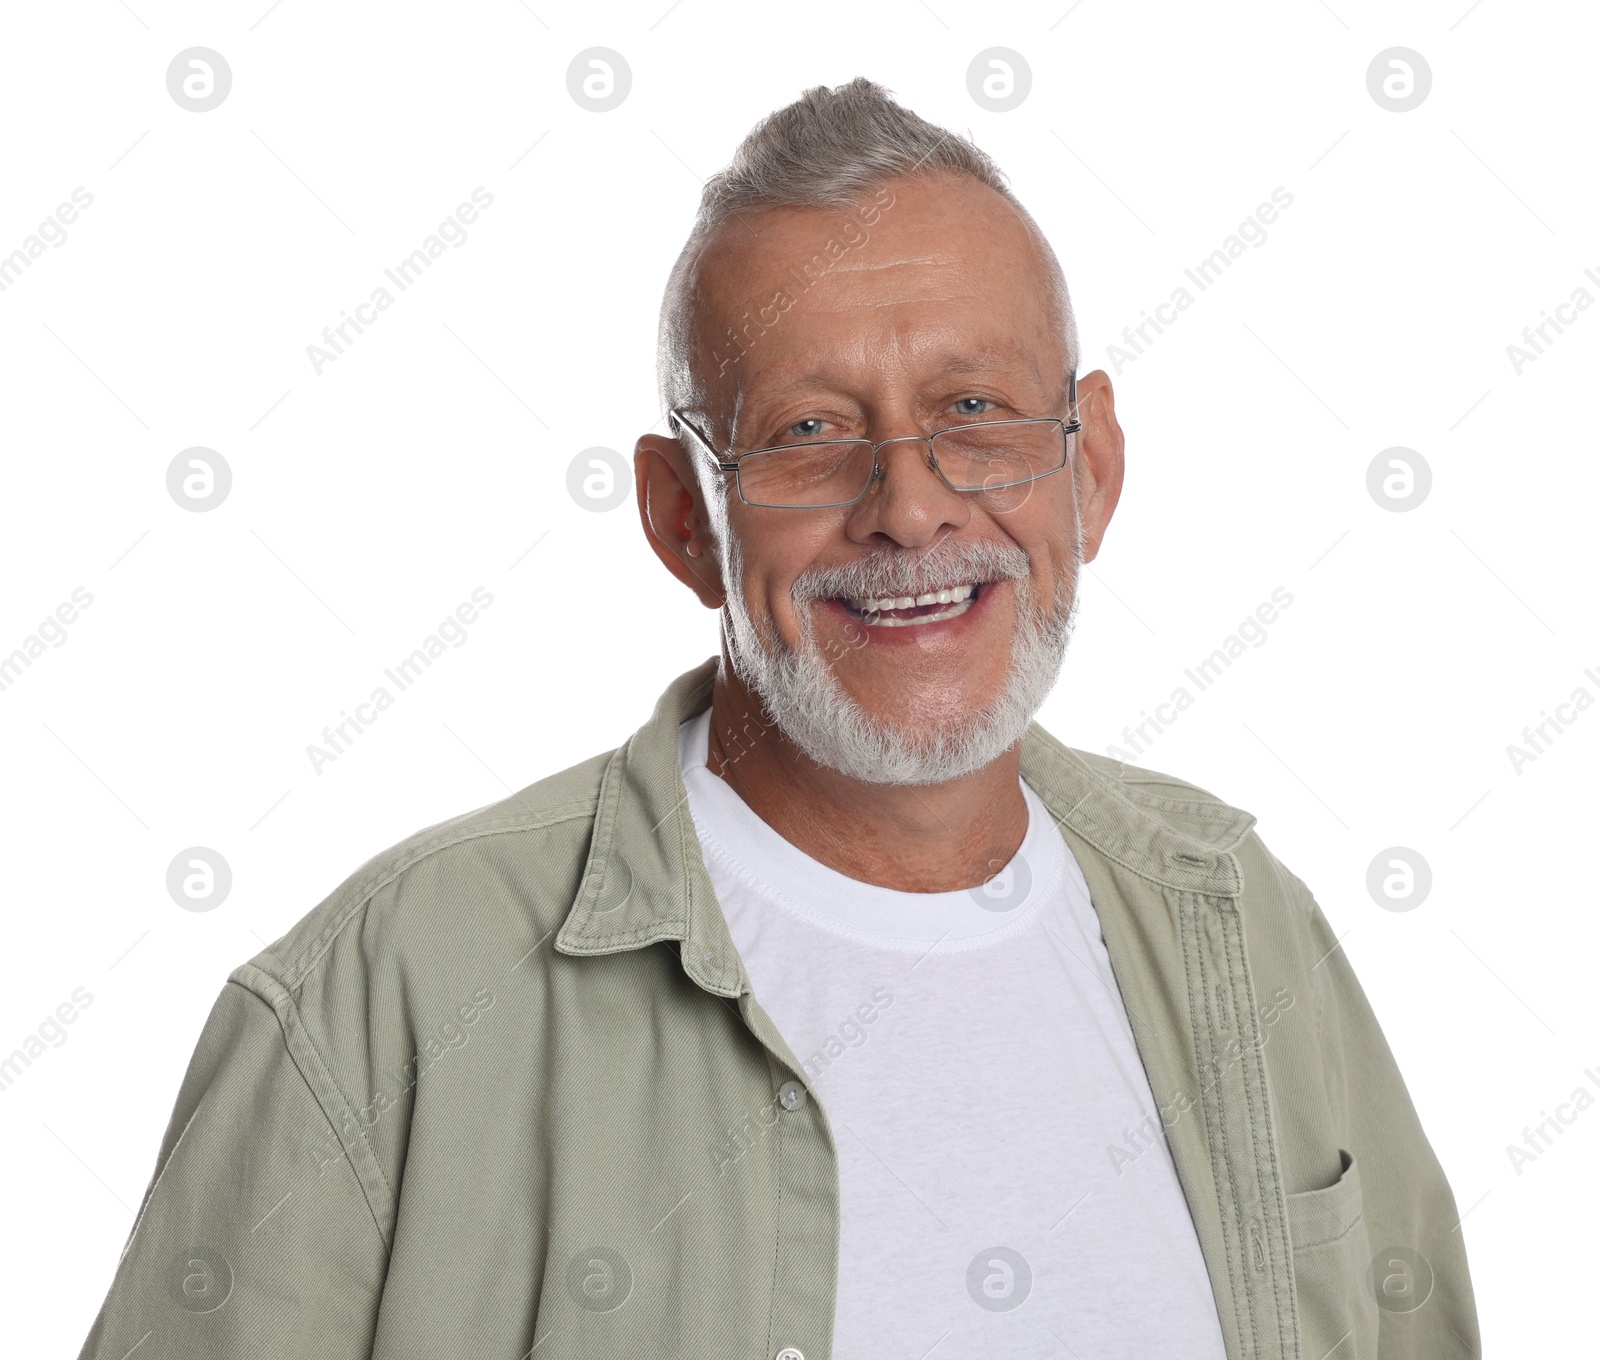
[[1332, 1255]]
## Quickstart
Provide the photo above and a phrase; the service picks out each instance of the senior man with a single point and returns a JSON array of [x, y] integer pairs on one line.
[[841, 1011]]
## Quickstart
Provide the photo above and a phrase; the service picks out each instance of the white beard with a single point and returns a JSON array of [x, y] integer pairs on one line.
[[805, 698]]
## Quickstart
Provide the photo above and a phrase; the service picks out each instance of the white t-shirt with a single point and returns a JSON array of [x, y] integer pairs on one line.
[[974, 1060]]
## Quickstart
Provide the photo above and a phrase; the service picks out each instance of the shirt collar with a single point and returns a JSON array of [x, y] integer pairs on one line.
[[645, 878]]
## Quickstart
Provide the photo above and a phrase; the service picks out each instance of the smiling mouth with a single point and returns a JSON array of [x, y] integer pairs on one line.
[[907, 611]]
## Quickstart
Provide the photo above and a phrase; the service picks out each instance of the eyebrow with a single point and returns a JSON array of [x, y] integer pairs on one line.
[[974, 359], [986, 359]]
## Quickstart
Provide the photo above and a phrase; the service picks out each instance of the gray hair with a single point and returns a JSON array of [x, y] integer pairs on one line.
[[829, 149]]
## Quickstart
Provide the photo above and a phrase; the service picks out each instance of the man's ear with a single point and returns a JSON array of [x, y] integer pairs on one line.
[[673, 517], [1099, 458]]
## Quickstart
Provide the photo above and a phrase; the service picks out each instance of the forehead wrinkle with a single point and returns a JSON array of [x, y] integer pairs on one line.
[[861, 264]]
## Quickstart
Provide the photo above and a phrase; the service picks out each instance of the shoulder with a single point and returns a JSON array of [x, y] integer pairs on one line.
[[1156, 817], [1115, 792], [1196, 809], [498, 869], [1178, 799]]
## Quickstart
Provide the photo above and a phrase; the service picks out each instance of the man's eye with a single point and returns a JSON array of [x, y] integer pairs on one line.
[[961, 402], [799, 429]]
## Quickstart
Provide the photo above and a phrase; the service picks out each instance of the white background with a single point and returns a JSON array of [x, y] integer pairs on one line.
[[430, 458]]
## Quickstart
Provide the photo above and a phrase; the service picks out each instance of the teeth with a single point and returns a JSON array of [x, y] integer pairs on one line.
[[879, 604]]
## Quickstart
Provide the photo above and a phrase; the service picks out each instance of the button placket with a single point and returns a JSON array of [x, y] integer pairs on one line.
[[801, 1160]]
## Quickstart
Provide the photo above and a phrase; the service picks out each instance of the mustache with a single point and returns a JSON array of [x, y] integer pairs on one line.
[[903, 571]]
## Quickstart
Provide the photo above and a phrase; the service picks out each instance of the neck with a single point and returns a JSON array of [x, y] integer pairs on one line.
[[913, 838]]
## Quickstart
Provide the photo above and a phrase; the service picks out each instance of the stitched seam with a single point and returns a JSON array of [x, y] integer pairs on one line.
[[1188, 792], [1257, 1066], [1209, 1096], [1249, 1098], [1208, 809], [363, 893], [670, 930], [289, 1043], [607, 798], [777, 1236], [680, 815], [683, 818], [1217, 1095]]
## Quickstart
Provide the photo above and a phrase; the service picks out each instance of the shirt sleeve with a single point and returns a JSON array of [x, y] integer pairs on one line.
[[257, 1235], [1418, 1272]]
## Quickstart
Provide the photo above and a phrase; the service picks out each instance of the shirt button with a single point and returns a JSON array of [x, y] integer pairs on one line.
[[790, 1353], [791, 1095]]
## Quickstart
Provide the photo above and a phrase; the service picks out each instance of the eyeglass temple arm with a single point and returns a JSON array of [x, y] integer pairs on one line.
[[674, 418]]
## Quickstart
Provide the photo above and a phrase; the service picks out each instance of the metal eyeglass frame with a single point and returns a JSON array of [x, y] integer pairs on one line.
[[675, 417]]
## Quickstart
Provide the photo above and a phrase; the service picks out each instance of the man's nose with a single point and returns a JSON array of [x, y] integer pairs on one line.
[[908, 501]]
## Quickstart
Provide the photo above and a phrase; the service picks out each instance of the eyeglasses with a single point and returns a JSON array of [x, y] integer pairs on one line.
[[820, 474]]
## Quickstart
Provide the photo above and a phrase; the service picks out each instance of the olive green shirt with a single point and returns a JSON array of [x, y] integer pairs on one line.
[[506, 1094]]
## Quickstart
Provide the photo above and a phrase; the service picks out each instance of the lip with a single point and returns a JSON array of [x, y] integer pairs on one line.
[[945, 630]]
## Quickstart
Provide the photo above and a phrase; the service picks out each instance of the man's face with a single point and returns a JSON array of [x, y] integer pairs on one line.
[[937, 313]]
